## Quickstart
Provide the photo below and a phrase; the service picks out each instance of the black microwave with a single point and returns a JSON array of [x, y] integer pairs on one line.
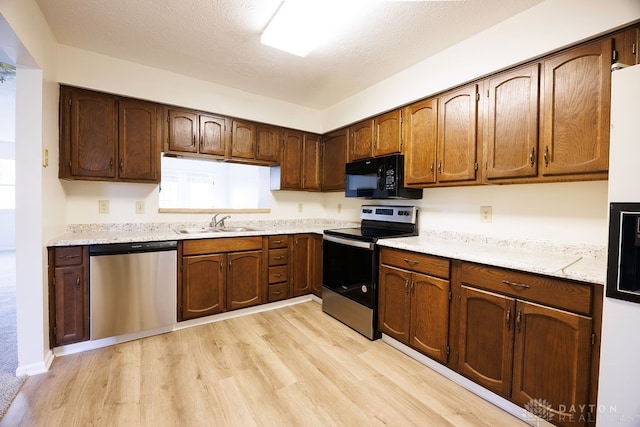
[[378, 178]]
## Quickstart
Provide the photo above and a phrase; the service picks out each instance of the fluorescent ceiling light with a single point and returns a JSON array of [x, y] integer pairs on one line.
[[301, 25]]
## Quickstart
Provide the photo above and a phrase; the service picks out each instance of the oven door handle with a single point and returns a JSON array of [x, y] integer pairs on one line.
[[349, 242]]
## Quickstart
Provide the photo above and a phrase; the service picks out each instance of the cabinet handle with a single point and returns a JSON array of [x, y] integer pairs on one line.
[[121, 165], [508, 318], [220, 266], [413, 282], [406, 286], [519, 321], [194, 140], [518, 285], [277, 242], [69, 256], [531, 154], [432, 167], [411, 261], [277, 292], [278, 257], [77, 281], [110, 164], [546, 155], [279, 274], [201, 141]]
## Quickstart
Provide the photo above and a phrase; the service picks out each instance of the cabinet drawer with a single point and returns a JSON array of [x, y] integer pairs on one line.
[[278, 256], [278, 274], [563, 294], [225, 244], [278, 241], [277, 292], [421, 263], [71, 255]]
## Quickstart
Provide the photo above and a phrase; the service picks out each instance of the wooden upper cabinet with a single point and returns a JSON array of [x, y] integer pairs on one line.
[[311, 162], [575, 110], [268, 143], [361, 140], [334, 158], [89, 137], [139, 140], [108, 138], [511, 125], [212, 135], [183, 131], [625, 46], [243, 140], [388, 133], [420, 141], [291, 161], [457, 135]]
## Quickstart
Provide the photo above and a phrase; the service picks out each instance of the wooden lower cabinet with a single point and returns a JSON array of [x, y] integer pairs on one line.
[[68, 295], [529, 351], [413, 305], [306, 277], [217, 275]]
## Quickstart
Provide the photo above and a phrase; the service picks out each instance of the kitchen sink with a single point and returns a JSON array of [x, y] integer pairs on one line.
[[205, 230]]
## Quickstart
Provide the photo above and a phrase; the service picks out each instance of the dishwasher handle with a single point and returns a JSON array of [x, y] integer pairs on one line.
[[130, 248]]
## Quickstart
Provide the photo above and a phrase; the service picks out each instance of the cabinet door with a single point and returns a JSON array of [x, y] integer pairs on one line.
[[302, 267], [268, 143], [512, 124], [486, 338], [311, 162], [212, 135], [183, 131], [93, 134], [361, 140], [316, 264], [291, 162], [388, 133], [203, 285], [334, 158], [625, 46], [420, 141], [394, 313], [243, 140], [457, 135], [71, 305], [575, 110], [244, 281], [552, 359], [430, 316], [139, 141]]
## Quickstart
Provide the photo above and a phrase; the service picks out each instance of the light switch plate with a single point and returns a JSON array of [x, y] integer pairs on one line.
[[139, 207]]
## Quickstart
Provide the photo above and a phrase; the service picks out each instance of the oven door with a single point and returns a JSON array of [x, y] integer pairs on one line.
[[349, 268]]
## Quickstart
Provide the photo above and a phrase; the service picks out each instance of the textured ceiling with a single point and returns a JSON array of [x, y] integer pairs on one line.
[[219, 41]]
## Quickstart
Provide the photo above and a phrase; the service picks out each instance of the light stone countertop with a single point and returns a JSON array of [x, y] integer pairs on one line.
[[575, 262], [583, 263]]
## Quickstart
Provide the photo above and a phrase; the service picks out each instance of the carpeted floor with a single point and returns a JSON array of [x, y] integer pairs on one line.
[[9, 383]]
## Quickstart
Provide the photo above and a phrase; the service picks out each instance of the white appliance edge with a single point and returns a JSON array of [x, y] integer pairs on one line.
[[618, 397]]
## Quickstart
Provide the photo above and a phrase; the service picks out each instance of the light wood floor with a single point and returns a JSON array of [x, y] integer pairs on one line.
[[294, 366]]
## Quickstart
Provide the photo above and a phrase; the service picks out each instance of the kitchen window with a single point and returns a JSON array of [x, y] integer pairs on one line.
[[195, 184]]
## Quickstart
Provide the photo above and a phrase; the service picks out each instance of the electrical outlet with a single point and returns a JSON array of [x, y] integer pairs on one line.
[[299, 207], [103, 206], [485, 213], [139, 207], [339, 207]]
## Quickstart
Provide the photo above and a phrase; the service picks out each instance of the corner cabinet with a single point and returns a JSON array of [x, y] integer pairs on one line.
[[217, 275], [576, 104], [525, 337], [68, 295], [334, 159], [414, 295], [108, 138]]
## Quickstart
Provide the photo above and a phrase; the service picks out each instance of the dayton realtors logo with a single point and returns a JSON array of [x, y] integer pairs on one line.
[[538, 409]]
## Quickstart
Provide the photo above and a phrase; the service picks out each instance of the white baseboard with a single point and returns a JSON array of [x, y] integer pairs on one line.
[[36, 368]]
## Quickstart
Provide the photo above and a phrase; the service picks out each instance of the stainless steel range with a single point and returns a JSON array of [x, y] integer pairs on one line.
[[350, 264]]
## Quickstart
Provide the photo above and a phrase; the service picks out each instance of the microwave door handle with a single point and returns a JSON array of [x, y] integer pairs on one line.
[[380, 178]]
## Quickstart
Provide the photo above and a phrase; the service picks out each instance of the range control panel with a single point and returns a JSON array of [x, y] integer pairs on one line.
[[403, 214]]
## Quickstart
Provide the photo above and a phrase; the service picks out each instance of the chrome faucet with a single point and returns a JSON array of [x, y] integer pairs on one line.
[[215, 222]]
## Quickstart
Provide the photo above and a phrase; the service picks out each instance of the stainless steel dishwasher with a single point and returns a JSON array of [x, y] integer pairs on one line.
[[133, 287]]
